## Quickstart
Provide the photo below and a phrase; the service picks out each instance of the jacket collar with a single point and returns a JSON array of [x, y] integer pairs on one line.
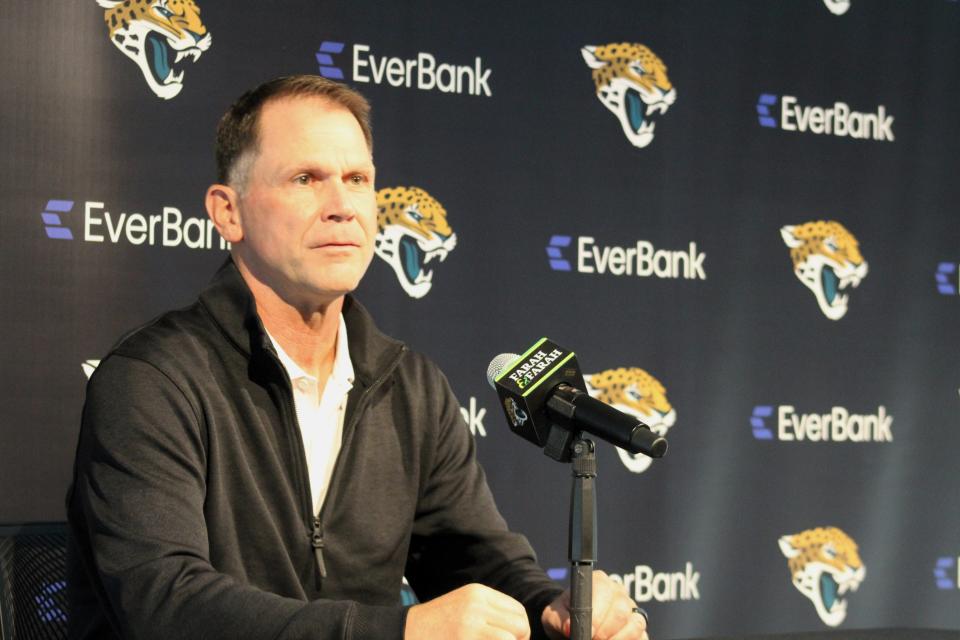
[[230, 303]]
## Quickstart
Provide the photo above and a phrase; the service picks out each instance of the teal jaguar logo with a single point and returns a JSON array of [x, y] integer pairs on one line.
[[826, 259], [837, 7], [160, 36], [517, 415], [631, 82], [825, 566], [412, 232]]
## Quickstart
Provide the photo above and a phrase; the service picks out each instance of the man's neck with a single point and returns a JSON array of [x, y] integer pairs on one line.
[[307, 334]]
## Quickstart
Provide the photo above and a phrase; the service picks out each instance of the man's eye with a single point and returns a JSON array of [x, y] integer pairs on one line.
[[358, 179], [302, 179]]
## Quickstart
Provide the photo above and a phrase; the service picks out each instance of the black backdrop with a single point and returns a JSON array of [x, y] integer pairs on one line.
[[541, 157]]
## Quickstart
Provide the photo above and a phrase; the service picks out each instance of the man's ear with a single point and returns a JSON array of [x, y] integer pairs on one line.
[[223, 207]]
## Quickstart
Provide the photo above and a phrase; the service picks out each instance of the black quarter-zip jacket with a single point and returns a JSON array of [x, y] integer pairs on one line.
[[190, 513]]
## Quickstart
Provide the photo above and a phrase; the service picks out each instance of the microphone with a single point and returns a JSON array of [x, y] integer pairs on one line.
[[546, 402]]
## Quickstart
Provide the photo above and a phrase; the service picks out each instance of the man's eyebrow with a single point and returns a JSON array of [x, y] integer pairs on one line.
[[368, 167]]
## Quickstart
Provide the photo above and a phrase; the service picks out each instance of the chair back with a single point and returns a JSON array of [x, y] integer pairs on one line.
[[33, 587]]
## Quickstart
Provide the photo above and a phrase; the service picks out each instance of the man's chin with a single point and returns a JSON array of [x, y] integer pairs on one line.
[[334, 284], [330, 291], [308, 285]]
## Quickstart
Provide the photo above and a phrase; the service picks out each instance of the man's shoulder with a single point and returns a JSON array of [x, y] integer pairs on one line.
[[420, 366], [177, 337]]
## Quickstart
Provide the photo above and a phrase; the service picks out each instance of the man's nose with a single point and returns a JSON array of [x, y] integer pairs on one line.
[[337, 205]]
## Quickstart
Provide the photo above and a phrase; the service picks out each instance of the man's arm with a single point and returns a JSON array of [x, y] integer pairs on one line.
[[615, 615], [459, 536], [136, 509]]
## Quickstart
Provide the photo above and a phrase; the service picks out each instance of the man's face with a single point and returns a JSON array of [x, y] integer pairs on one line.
[[308, 210]]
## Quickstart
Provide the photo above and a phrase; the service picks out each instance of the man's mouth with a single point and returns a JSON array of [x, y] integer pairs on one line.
[[338, 245]]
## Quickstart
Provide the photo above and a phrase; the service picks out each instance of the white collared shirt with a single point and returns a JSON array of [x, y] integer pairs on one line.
[[321, 416]]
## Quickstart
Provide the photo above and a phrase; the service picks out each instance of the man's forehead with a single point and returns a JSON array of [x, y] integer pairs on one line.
[[281, 115], [310, 106], [321, 103]]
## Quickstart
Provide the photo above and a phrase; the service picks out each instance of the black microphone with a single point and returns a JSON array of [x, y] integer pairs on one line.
[[545, 400]]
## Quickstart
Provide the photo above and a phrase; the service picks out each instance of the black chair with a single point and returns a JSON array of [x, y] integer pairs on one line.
[[33, 587]]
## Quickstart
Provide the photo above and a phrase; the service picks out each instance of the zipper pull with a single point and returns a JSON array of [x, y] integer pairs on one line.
[[316, 541]]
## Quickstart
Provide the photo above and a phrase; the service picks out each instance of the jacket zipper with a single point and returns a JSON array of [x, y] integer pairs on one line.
[[291, 420], [316, 540], [316, 531]]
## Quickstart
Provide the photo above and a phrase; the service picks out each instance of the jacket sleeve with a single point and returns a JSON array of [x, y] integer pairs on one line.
[[459, 536], [136, 514]]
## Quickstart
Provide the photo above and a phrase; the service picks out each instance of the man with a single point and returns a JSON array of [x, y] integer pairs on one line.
[[265, 463]]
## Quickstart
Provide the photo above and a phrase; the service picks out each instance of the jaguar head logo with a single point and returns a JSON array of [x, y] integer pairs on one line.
[[160, 36], [412, 232], [825, 566], [631, 82], [517, 415], [634, 391], [826, 259], [837, 7]]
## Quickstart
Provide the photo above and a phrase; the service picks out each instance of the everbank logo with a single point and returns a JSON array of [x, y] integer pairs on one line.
[[170, 228], [838, 120], [642, 260], [839, 425], [644, 584], [421, 71]]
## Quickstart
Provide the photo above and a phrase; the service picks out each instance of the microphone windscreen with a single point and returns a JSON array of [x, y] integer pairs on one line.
[[497, 365]]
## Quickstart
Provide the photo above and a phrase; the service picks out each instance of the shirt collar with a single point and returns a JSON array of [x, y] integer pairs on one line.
[[342, 371], [228, 300]]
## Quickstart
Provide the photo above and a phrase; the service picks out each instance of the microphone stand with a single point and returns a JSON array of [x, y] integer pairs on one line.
[[582, 547], [557, 428]]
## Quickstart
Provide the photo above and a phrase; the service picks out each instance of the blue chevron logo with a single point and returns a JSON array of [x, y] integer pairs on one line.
[[764, 102], [942, 571], [52, 223], [947, 278], [758, 422], [325, 60], [555, 252]]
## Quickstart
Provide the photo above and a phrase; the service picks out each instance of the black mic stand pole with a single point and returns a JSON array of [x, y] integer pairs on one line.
[[582, 548], [567, 444]]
